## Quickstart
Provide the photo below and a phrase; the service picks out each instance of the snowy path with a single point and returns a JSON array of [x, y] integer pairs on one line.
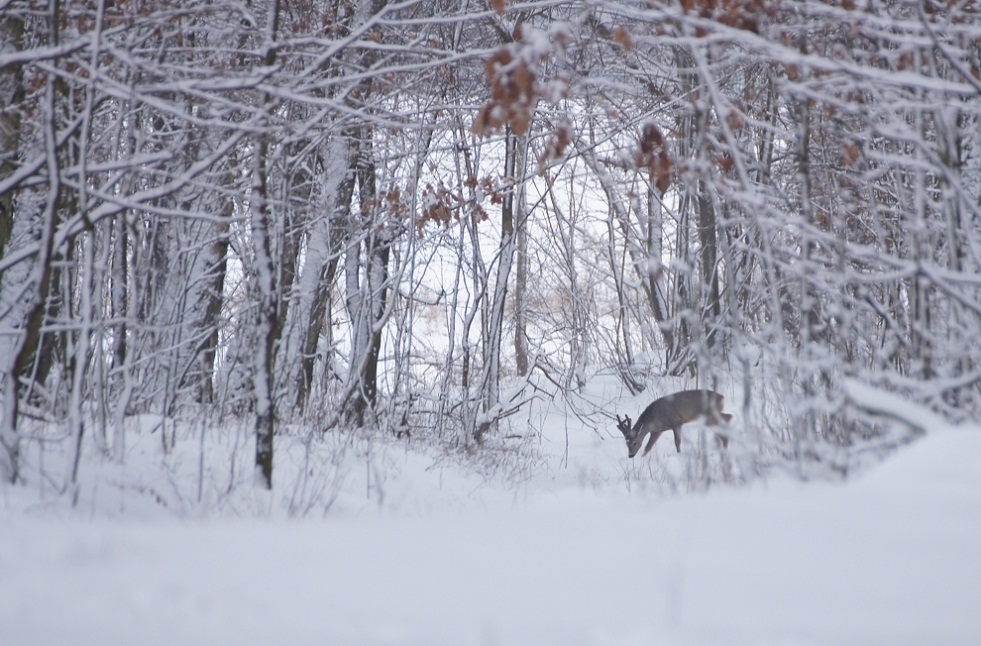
[[888, 558]]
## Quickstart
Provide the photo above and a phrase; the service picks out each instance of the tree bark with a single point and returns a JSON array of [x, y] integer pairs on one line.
[[267, 314]]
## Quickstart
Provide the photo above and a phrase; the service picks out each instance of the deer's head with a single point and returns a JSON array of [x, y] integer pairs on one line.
[[633, 439]]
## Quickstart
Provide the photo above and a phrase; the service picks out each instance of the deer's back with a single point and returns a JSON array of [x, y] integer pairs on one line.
[[671, 411]]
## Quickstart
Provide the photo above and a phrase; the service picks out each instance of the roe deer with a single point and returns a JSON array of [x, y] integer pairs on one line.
[[669, 413]]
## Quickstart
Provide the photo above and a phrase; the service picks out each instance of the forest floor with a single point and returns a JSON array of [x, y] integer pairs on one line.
[[563, 541]]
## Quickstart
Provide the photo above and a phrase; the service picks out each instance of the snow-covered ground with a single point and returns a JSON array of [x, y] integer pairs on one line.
[[578, 547]]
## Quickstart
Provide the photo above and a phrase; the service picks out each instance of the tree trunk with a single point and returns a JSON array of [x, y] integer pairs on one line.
[[490, 381], [11, 98], [520, 300], [323, 256], [267, 314]]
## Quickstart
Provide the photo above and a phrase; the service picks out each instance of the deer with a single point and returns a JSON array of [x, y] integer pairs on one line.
[[669, 413]]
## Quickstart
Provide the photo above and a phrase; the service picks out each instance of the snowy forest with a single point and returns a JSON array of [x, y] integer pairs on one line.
[[416, 219], [318, 318]]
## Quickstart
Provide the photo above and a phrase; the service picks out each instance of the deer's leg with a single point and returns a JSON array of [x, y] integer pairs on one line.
[[650, 442], [716, 418], [677, 439]]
